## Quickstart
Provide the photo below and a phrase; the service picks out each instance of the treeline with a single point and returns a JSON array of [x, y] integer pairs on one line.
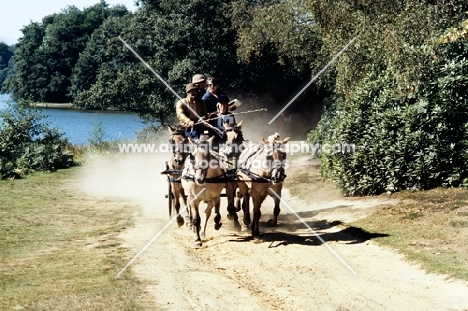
[[76, 56], [398, 92]]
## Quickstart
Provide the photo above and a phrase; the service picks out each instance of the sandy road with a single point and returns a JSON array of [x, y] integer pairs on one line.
[[290, 269]]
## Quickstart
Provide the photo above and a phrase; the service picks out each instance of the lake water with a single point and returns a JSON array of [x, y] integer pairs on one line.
[[78, 125]]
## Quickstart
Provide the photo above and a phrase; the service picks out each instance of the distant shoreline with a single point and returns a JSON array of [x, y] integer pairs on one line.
[[49, 105]]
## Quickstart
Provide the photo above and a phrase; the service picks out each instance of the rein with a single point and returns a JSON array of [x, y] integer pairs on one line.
[[243, 112]]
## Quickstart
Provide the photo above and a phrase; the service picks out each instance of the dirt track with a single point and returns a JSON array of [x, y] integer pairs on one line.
[[289, 270]]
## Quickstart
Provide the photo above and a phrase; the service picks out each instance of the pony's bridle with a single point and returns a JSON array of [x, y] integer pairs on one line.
[[202, 165], [229, 144], [179, 148]]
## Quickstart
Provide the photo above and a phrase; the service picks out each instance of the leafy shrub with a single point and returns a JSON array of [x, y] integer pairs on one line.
[[416, 139], [28, 143]]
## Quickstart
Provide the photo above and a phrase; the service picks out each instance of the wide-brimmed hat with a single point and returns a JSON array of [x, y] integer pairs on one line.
[[198, 78], [190, 86], [233, 104]]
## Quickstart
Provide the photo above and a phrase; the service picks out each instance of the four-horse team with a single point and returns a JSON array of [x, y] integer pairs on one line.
[[198, 174], [209, 155]]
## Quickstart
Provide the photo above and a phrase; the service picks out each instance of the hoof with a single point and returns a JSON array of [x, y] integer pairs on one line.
[[229, 217], [271, 223], [197, 244], [217, 226], [246, 222], [257, 239], [180, 221]]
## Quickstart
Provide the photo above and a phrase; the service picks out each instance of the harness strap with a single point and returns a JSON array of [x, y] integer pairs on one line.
[[255, 177]]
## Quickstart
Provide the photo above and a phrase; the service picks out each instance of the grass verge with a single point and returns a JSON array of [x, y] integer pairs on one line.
[[59, 250], [429, 227]]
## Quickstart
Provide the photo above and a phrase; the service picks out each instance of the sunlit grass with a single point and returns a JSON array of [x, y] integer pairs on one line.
[[429, 227], [304, 180], [59, 250]]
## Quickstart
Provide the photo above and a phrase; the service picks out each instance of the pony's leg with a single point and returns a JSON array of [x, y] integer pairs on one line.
[[245, 196], [257, 213], [258, 194], [188, 212], [274, 221], [257, 198], [237, 201], [217, 217], [208, 210], [246, 208], [180, 219], [196, 223], [232, 213]]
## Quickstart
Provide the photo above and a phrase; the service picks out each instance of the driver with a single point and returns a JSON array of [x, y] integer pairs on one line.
[[186, 115]]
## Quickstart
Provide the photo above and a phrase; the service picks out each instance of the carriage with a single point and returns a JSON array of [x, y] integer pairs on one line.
[[238, 170]]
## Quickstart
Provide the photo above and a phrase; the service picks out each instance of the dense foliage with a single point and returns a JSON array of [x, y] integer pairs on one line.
[[48, 52], [6, 52], [410, 133], [27, 143]]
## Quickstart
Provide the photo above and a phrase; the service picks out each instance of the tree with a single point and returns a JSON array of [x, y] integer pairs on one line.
[[100, 52], [28, 79], [177, 39], [6, 52], [27, 143], [48, 52]]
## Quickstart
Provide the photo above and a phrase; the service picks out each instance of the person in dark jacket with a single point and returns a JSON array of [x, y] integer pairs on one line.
[[212, 94]]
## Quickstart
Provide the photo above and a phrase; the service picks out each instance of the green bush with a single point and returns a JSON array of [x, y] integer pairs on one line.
[[417, 139], [27, 143]]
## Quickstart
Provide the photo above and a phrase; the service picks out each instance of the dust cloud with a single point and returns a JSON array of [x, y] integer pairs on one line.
[[288, 124], [134, 177]]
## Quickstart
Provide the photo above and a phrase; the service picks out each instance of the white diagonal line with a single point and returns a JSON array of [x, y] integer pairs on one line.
[[159, 233], [315, 233], [314, 78]]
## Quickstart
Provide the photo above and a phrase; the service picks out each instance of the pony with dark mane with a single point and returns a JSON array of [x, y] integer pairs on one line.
[[203, 178], [233, 142], [261, 173], [174, 166]]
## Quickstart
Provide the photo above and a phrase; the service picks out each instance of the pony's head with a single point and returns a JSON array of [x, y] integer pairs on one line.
[[178, 143], [200, 157], [233, 140]]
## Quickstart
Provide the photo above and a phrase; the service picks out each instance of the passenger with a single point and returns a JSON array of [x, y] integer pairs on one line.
[[212, 94], [186, 115], [219, 117], [222, 114], [199, 81]]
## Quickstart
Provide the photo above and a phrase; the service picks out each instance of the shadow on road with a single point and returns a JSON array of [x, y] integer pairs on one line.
[[348, 235]]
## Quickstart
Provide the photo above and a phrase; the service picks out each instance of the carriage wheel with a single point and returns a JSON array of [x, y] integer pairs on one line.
[[170, 196]]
